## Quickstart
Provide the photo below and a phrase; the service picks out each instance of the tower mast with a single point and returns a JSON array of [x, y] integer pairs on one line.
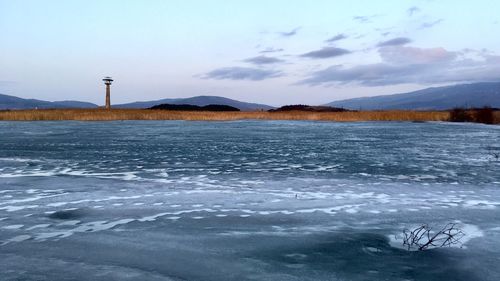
[[107, 82]]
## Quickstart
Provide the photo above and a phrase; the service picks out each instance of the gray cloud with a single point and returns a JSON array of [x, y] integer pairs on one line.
[[395, 42], [7, 83], [271, 50], [479, 52], [400, 55], [263, 60], [364, 19], [327, 52], [411, 65], [367, 75], [241, 73], [290, 33], [336, 38], [413, 10], [430, 24]]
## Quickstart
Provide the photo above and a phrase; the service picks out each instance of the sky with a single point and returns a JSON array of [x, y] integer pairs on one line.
[[273, 52]]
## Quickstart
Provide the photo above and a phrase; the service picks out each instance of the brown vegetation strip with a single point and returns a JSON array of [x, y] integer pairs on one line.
[[144, 114]]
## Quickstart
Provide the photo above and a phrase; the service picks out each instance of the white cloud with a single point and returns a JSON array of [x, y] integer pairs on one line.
[[401, 65]]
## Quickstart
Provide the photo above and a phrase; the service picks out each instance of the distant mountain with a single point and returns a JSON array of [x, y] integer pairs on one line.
[[190, 107], [199, 101], [74, 104], [438, 98], [11, 102]]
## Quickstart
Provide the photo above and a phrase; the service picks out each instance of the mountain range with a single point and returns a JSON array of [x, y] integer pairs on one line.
[[12, 102], [437, 98], [199, 101]]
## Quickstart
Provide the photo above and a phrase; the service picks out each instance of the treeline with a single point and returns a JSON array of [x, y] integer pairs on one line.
[[485, 115], [309, 108], [190, 107]]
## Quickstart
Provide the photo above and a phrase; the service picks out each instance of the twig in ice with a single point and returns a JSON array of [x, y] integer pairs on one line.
[[423, 237]]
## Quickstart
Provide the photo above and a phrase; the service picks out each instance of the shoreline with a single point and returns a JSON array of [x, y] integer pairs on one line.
[[148, 114]]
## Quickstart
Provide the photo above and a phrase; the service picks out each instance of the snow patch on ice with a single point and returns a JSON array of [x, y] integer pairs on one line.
[[16, 239], [18, 208], [481, 204], [13, 226]]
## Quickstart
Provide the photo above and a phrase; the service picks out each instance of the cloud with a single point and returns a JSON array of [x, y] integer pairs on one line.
[[478, 52], [402, 65], [7, 83], [241, 73], [430, 24], [364, 19], [367, 75], [408, 55], [271, 50], [327, 52], [413, 10], [492, 58], [263, 60], [395, 42], [336, 38], [290, 33]]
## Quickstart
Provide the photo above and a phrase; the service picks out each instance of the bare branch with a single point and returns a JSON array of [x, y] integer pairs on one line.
[[424, 238]]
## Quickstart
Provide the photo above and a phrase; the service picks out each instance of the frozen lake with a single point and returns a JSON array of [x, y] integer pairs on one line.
[[245, 200]]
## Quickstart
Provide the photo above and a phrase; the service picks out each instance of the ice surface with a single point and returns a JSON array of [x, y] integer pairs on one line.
[[245, 200]]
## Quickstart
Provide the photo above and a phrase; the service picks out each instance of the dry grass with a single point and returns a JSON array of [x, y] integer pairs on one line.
[[143, 114]]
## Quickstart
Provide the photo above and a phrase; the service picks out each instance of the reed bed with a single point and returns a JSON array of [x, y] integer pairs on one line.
[[145, 114]]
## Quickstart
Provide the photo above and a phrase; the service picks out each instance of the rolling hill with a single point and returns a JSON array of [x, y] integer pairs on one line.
[[199, 101], [190, 107], [437, 98], [12, 102]]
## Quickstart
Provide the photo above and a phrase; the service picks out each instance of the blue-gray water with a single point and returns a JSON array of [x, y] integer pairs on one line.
[[246, 200]]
